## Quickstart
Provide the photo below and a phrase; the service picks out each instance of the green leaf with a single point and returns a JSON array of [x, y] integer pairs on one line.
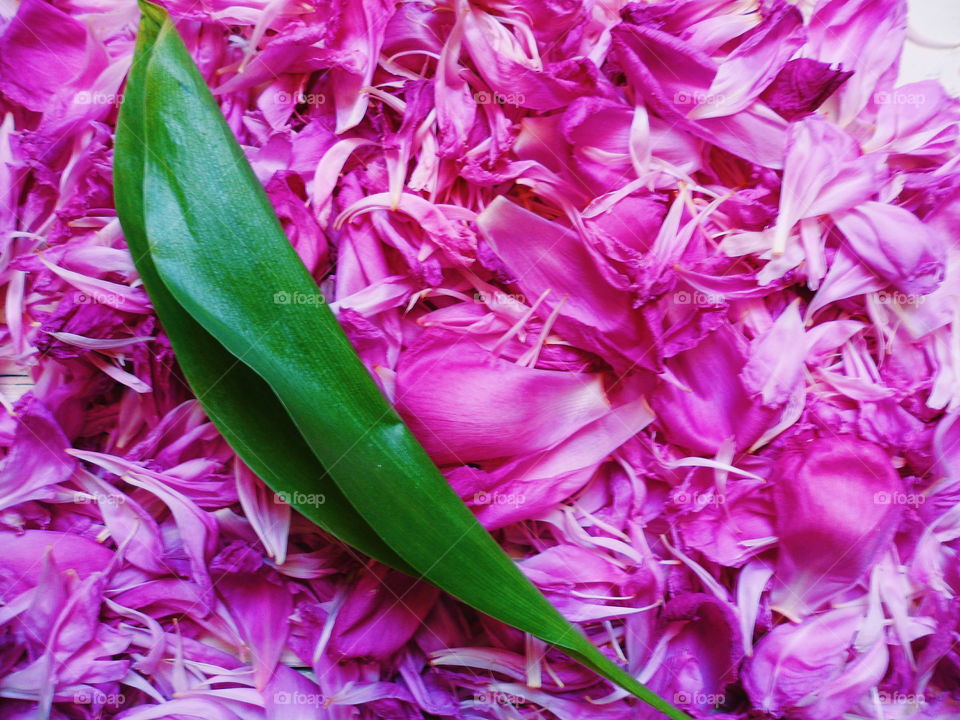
[[237, 400], [219, 250]]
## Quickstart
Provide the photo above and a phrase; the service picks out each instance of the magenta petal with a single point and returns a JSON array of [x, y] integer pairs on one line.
[[36, 460], [513, 80], [261, 605], [707, 406], [863, 36], [802, 85], [381, 612], [42, 52], [824, 172], [808, 671], [896, 245], [547, 256], [754, 63], [465, 404], [673, 76], [68, 552], [703, 656], [708, 403], [838, 506]]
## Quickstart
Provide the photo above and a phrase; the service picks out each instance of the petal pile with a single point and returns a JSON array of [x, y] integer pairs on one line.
[[666, 289]]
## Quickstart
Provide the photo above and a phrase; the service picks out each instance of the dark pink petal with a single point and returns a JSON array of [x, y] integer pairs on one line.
[[43, 52], [261, 605], [37, 460], [705, 403], [802, 85], [381, 612], [674, 77]]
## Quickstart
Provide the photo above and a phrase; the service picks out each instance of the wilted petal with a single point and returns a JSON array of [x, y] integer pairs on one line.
[[823, 172], [260, 604], [43, 53], [268, 513], [673, 77], [865, 36], [775, 368]]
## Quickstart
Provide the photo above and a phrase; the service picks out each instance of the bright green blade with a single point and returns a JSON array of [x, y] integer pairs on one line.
[[218, 248], [236, 399]]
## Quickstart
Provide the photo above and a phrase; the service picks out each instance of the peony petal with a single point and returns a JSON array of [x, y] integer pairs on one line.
[[838, 501], [465, 404]]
